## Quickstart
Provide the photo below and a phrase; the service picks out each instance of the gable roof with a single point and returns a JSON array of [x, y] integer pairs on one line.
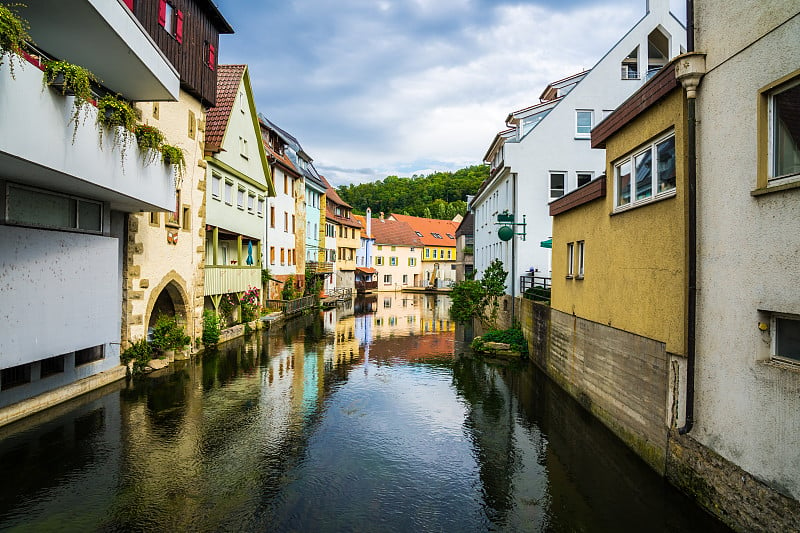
[[229, 77], [430, 226], [467, 226], [279, 158], [394, 232], [362, 221]]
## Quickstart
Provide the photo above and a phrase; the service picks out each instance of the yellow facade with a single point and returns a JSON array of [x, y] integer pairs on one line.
[[635, 261], [438, 254]]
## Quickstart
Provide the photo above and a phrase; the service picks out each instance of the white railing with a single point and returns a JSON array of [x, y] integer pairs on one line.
[[225, 279]]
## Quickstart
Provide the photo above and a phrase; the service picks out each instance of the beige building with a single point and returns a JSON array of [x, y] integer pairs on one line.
[[397, 253]]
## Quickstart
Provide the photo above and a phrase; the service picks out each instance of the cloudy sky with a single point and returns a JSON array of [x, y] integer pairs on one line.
[[399, 87]]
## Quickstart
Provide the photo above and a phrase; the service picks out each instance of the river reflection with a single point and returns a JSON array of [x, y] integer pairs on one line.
[[357, 419]]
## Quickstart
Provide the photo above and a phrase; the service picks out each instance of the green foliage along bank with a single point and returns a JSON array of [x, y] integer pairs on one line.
[[440, 195]]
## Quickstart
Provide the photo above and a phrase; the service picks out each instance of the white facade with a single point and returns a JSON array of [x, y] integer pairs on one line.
[[64, 203], [747, 397], [282, 227], [547, 150]]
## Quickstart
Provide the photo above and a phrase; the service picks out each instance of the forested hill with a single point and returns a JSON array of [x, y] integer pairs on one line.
[[440, 195]]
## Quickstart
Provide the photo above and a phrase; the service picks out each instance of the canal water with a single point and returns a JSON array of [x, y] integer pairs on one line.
[[371, 417]]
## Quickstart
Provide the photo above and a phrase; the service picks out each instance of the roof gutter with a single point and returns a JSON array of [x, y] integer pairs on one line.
[[689, 69]]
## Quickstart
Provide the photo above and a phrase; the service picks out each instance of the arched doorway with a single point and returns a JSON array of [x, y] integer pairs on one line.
[[171, 300]]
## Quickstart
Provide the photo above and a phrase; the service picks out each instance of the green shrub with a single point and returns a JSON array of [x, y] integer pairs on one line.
[[140, 352], [168, 334], [288, 292], [513, 337], [211, 328]]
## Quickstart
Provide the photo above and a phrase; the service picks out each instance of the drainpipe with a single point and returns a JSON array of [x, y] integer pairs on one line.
[[689, 69], [513, 247]]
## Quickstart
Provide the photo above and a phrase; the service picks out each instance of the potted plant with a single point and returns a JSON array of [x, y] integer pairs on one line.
[[173, 155], [149, 139], [71, 80], [13, 35], [169, 336], [114, 112]]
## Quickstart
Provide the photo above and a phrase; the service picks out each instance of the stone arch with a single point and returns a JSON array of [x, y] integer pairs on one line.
[[169, 295]]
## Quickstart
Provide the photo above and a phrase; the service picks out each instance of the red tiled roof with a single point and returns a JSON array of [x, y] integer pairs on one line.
[[362, 221], [429, 226], [228, 79], [394, 232]]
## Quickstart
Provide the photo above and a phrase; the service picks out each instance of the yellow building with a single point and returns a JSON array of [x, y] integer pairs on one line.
[[620, 241]]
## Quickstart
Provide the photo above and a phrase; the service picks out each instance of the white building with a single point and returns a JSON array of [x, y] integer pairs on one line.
[[546, 153], [65, 202]]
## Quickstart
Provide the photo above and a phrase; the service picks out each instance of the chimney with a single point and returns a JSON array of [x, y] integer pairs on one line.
[[369, 221], [381, 215]]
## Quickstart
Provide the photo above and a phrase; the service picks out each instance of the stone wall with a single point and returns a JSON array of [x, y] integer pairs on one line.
[[735, 496]]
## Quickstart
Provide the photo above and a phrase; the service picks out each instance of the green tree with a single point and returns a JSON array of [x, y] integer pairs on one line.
[[479, 299]]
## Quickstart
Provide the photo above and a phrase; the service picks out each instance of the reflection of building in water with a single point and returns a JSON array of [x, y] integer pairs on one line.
[[399, 314]]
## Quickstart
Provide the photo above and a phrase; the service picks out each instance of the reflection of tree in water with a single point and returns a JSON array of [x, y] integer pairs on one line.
[[490, 423]]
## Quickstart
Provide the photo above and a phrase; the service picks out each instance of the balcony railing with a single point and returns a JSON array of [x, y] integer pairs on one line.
[[536, 288], [226, 279], [37, 148], [291, 307], [319, 267]]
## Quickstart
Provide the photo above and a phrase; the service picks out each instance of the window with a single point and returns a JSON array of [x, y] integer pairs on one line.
[[27, 206], [392, 261], [434, 253], [155, 219], [186, 218], [192, 126], [412, 261], [784, 119], [647, 174], [581, 248], [260, 206], [89, 355], [293, 225], [286, 222], [786, 337], [272, 216], [427, 253], [449, 254], [584, 178], [171, 20], [240, 198], [449, 236], [271, 255], [251, 202], [243, 148], [216, 185], [570, 259], [405, 279], [630, 65], [242, 102], [228, 192], [379, 260], [557, 182], [436, 235], [418, 234], [14, 376], [387, 279], [51, 366], [394, 248], [583, 123], [283, 256], [380, 247], [285, 184]]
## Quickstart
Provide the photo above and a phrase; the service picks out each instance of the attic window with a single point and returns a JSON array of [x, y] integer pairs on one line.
[[449, 236], [418, 234], [436, 235], [630, 65]]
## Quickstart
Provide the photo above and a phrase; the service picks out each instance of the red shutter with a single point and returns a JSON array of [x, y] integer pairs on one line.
[[179, 27], [212, 56], [162, 13], [129, 3]]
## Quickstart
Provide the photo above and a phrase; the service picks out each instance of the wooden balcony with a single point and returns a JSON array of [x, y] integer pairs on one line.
[[225, 279], [363, 286], [319, 267]]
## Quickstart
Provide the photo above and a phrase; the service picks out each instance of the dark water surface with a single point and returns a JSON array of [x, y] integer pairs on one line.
[[345, 421]]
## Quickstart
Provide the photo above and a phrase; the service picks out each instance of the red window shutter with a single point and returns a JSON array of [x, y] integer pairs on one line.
[[212, 56], [179, 27], [129, 3], [162, 13]]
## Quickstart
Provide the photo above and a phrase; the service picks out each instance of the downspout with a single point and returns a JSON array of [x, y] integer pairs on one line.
[[513, 248], [689, 69]]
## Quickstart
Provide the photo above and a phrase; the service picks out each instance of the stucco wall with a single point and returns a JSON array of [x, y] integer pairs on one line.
[[747, 409], [635, 261], [402, 253], [151, 262]]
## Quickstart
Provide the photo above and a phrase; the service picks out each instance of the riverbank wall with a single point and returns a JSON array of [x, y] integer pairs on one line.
[[628, 383]]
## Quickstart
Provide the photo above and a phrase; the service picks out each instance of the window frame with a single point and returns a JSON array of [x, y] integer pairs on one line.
[[630, 159], [578, 133], [570, 260], [773, 326], [550, 175], [5, 216], [766, 179], [581, 259]]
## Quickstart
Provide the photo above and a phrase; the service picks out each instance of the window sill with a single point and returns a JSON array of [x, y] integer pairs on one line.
[[792, 182], [569, 277], [579, 278], [782, 364], [578, 138], [647, 201], [173, 225], [217, 198]]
